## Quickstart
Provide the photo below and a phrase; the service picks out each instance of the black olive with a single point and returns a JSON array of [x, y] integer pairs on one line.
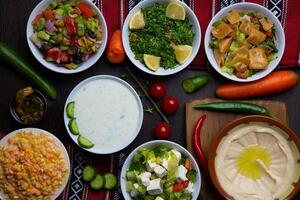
[[72, 50], [91, 34], [78, 57], [46, 47]]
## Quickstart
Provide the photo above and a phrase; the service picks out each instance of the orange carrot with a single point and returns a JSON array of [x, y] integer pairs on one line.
[[115, 52], [275, 82]]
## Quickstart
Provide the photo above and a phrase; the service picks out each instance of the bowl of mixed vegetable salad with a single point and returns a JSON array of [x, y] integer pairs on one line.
[[161, 37], [66, 36], [160, 170], [244, 42]]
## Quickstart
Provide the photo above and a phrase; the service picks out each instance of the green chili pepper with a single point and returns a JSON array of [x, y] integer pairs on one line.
[[234, 107], [192, 84]]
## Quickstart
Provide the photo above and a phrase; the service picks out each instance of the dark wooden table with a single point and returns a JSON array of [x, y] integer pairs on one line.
[[13, 19]]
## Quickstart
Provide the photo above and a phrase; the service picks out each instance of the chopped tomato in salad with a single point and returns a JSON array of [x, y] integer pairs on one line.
[[67, 32]]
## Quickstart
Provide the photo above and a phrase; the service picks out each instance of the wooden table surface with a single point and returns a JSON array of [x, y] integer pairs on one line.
[[13, 19]]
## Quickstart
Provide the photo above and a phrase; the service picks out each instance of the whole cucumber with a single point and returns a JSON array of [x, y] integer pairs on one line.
[[10, 56]]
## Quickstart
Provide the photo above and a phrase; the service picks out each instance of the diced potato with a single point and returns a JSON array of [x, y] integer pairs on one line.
[[265, 24], [256, 37], [233, 16], [241, 57], [258, 59], [224, 45], [220, 57], [221, 31]]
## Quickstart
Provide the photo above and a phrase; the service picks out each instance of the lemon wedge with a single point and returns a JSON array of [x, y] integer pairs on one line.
[[182, 53], [152, 62], [175, 11], [137, 21]]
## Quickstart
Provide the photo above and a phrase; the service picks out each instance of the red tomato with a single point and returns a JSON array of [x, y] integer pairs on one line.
[[170, 105], [36, 19], [157, 90], [64, 57], [48, 14], [178, 187], [86, 10], [54, 54], [162, 130], [269, 33], [70, 25]]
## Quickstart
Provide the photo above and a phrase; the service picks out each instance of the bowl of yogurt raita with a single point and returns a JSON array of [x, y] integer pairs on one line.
[[103, 114]]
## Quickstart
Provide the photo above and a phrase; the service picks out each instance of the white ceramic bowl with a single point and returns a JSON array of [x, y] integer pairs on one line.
[[151, 144], [4, 142], [279, 34], [56, 67], [97, 149], [161, 71]]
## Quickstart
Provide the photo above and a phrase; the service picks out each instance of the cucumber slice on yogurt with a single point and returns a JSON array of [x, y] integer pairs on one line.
[[70, 109], [110, 181], [73, 127], [84, 142], [97, 183]]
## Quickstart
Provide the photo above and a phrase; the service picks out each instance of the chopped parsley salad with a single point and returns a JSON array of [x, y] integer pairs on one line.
[[243, 43], [160, 173], [159, 34], [67, 32]]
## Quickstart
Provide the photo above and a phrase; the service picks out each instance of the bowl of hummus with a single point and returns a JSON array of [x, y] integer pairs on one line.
[[255, 158]]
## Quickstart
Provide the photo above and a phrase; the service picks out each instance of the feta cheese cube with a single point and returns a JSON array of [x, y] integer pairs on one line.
[[155, 188], [158, 198], [160, 171], [165, 163], [145, 178], [181, 174], [134, 192], [150, 166], [177, 154], [190, 187]]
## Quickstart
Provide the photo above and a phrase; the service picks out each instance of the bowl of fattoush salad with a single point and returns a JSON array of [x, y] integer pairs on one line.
[[244, 42], [66, 36], [161, 37], [160, 170]]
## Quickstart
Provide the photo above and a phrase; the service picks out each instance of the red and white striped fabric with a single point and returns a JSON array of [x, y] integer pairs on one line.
[[115, 11]]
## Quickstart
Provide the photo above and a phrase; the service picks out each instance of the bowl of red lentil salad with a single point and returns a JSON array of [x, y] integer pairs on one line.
[[34, 164]]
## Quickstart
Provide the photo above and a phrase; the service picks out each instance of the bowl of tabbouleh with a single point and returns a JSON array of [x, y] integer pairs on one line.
[[161, 37]]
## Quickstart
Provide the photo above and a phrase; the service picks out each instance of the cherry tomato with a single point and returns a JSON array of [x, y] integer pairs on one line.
[[162, 130], [157, 90], [178, 187], [170, 105]]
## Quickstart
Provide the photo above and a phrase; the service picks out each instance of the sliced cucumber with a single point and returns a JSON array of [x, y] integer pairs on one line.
[[84, 142], [89, 173], [73, 127], [110, 181], [70, 109], [97, 183]]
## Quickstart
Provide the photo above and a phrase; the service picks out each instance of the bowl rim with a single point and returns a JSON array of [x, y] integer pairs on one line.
[[120, 81], [196, 44], [54, 66], [60, 145], [244, 5], [153, 143], [244, 120]]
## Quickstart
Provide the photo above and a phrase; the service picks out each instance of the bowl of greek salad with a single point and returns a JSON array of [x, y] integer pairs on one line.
[[66, 36], [161, 37], [160, 170]]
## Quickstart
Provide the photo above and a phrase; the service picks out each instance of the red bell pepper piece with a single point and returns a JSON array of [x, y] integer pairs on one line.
[[86, 10], [54, 54], [269, 33], [178, 187], [70, 25], [48, 14]]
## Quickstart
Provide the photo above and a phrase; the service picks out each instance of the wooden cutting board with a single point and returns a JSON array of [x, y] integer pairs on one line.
[[214, 122]]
